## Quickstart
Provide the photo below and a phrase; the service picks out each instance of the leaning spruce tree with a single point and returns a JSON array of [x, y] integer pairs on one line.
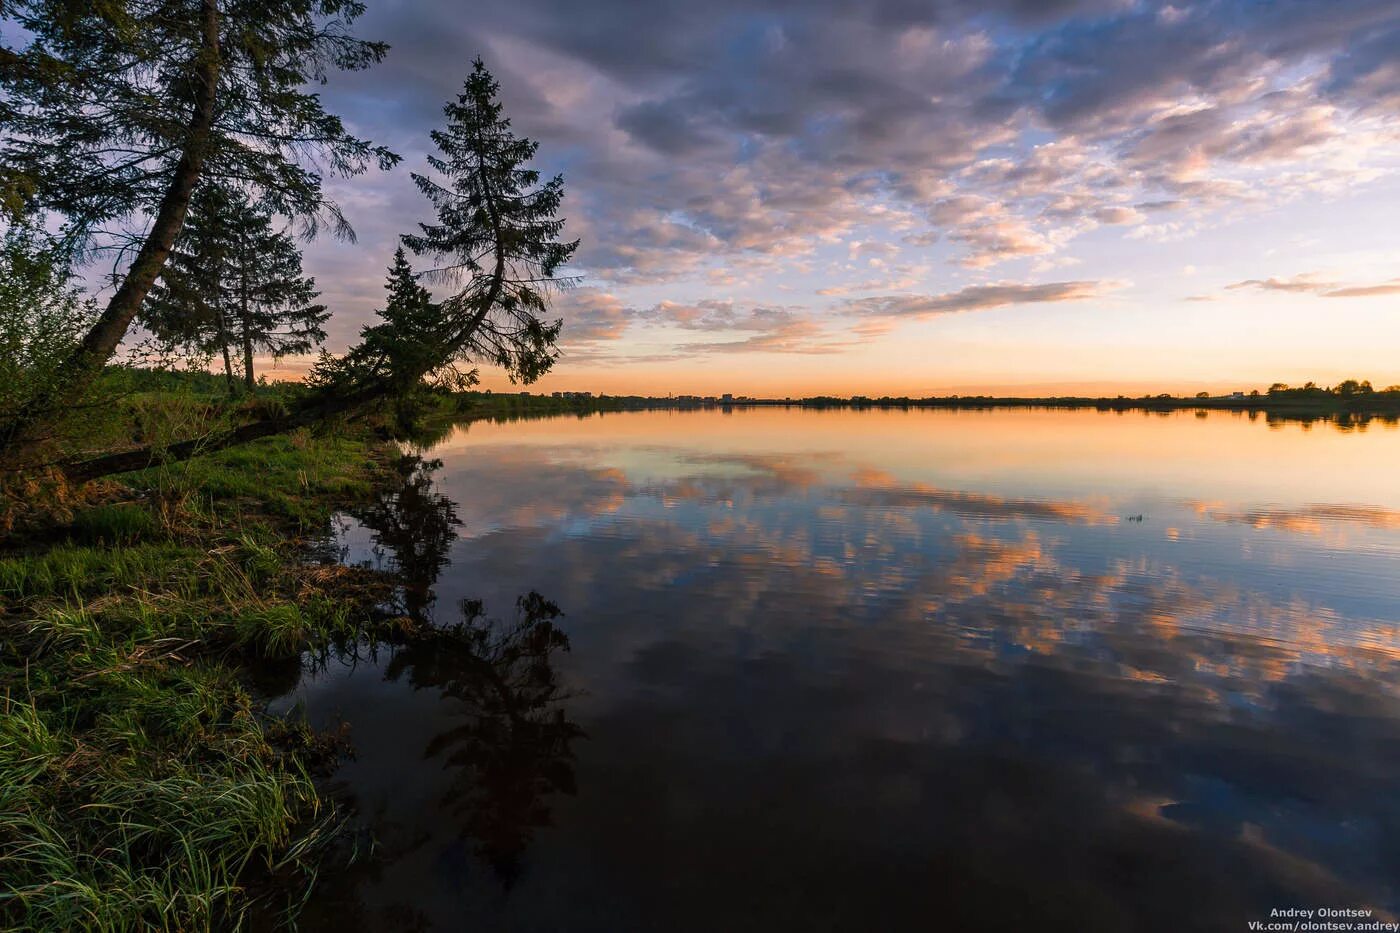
[[497, 234], [112, 113], [497, 239]]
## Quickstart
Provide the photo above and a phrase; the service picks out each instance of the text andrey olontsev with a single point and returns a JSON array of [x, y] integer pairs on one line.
[[1309, 919]]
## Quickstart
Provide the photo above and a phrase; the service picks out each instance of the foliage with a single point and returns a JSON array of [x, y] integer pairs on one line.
[[233, 279], [42, 315], [404, 349], [497, 234], [497, 229], [100, 98], [113, 113], [1348, 390]]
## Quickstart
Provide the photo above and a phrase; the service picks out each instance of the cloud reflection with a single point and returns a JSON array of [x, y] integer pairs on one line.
[[818, 696]]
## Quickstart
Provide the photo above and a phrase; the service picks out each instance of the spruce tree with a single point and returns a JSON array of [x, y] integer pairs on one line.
[[276, 309], [497, 235], [233, 281], [187, 311]]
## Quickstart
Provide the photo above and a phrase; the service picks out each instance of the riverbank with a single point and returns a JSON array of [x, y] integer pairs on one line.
[[1381, 406], [141, 783]]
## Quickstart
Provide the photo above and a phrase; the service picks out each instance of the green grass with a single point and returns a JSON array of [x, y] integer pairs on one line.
[[142, 785], [148, 816], [287, 478], [119, 523]]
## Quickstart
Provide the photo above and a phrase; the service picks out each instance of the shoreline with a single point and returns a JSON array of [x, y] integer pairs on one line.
[[142, 780], [486, 406]]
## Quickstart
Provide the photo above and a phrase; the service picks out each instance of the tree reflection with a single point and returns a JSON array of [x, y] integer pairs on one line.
[[508, 740], [484, 690], [415, 525], [511, 743]]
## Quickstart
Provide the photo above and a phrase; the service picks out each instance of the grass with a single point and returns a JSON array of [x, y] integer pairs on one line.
[[142, 785]]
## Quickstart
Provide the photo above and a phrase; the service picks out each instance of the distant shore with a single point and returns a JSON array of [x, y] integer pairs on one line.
[[1379, 405]]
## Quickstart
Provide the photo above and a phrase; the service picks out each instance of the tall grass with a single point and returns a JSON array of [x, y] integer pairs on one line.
[[126, 831], [142, 786]]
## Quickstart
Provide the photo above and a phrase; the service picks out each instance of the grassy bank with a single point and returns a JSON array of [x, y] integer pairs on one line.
[[141, 784]]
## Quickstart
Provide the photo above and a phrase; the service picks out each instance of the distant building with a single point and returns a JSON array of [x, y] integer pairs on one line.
[[727, 397]]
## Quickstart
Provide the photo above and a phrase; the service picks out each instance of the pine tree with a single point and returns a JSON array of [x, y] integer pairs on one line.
[[497, 234], [233, 280]]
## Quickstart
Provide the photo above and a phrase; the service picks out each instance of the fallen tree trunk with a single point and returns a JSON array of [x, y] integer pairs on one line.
[[127, 461]]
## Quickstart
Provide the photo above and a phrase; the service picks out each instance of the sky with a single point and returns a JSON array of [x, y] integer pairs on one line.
[[913, 197]]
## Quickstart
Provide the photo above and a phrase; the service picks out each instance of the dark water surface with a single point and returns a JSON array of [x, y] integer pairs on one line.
[[1009, 670]]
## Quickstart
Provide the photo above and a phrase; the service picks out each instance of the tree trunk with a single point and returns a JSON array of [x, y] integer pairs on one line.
[[301, 416], [228, 359], [80, 369], [247, 321]]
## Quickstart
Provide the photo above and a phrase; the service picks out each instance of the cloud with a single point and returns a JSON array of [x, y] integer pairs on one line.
[[1298, 283], [591, 315], [769, 330], [593, 318], [976, 298], [709, 314], [794, 335], [1365, 291], [730, 140], [1309, 283]]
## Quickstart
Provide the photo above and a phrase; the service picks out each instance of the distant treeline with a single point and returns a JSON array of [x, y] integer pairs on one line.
[[1348, 391], [1351, 395]]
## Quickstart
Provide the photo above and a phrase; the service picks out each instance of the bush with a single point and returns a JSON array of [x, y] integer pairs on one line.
[[43, 315]]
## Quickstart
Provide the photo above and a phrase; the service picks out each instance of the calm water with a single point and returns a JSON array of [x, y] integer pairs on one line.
[[1010, 670]]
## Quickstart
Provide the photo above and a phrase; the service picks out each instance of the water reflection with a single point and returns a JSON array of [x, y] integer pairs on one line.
[[411, 526], [865, 689], [510, 746], [498, 741]]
